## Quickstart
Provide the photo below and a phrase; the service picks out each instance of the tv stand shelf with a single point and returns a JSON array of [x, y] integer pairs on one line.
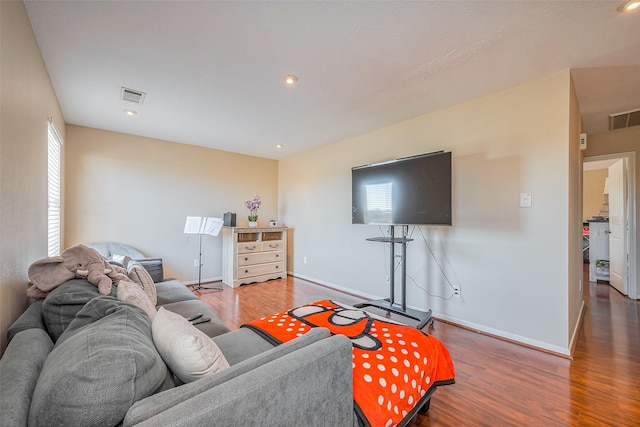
[[390, 239], [388, 304]]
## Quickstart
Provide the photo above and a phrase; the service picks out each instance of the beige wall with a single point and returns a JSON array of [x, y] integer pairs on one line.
[[575, 273], [139, 191], [28, 101], [593, 192], [512, 264]]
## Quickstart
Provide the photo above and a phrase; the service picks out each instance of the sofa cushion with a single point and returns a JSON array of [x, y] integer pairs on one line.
[[190, 307], [132, 293], [154, 405], [30, 319], [141, 276], [64, 302], [154, 267], [311, 387], [98, 368], [20, 367], [172, 291], [241, 344], [188, 352]]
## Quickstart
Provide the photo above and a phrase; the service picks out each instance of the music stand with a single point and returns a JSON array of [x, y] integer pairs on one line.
[[203, 225]]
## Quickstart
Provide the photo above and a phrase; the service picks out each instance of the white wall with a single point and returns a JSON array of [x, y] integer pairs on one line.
[[593, 192], [512, 264], [139, 191], [28, 101]]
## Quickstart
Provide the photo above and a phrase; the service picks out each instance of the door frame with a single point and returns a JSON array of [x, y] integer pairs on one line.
[[630, 250]]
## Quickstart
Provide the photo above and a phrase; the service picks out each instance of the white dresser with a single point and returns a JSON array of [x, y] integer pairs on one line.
[[253, 254]]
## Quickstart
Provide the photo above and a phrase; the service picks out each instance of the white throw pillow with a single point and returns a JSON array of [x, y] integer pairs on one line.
[[141, 276], [189, 352], [132, 293]]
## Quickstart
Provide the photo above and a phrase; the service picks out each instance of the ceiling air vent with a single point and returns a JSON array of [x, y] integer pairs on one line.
[[624, 120], [132, 95]]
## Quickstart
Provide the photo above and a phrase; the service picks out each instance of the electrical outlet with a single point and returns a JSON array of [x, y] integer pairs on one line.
[[456, 292], [580, 285], [304, 260], [196, 263]]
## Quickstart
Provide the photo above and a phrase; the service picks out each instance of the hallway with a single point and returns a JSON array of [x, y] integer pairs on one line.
[[606, 363]]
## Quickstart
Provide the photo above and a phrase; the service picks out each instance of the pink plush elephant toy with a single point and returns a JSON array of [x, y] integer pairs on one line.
[[76, 262]]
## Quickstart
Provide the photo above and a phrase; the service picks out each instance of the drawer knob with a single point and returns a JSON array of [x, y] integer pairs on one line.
[[246, 271], [277, 266], [277, 255], [246, 258], [250, 248], [273, 246]]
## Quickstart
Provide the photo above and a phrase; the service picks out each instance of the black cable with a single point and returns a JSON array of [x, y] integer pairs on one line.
[[437, 263], [399, 264], [429, 293]]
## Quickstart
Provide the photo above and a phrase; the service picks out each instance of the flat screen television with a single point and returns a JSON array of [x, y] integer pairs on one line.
[[409, 191]]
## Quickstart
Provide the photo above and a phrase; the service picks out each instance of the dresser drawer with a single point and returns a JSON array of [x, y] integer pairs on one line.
[[273, 245], [249, 247], [260, 258], [259, 269]]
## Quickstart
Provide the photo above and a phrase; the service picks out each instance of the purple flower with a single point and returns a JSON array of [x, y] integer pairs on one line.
[[253, 205]]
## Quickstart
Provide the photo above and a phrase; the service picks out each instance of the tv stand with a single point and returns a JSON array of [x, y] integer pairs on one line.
[[389, 304]]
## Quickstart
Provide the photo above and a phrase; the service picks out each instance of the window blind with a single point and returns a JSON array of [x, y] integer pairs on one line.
[[54, 191]]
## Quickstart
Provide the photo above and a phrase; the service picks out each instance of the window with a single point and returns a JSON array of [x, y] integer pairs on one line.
[[54, 191]]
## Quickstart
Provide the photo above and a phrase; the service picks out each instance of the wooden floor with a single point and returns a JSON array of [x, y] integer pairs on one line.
[[500, 383]]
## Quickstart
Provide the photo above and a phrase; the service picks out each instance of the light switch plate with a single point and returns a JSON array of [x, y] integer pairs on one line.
[[525, 200]]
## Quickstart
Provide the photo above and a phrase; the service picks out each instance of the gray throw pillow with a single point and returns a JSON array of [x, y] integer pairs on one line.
[[98, 369], [64, 302]]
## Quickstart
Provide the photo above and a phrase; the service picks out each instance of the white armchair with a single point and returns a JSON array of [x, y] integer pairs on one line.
[[115, 252]]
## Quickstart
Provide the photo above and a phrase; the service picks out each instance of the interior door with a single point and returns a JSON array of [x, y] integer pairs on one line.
[[617, 227]]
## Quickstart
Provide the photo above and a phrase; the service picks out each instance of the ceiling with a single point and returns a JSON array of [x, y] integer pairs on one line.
[[213, 71]]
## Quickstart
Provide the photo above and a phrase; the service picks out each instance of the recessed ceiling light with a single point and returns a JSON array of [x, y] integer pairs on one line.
[[130, 112], [629, 6], [290, 79], [279, 146]]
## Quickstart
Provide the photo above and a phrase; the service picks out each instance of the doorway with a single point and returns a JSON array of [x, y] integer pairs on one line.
[[609, 206]]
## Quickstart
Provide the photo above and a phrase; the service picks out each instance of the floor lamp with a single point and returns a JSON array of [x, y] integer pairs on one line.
[[203, 225]]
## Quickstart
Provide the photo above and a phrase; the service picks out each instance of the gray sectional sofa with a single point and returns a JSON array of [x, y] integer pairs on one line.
[[81, 358]]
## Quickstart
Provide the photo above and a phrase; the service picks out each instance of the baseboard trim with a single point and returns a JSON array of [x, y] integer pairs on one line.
[[577, 329], [335, 287], [506, 337], [470, 326]]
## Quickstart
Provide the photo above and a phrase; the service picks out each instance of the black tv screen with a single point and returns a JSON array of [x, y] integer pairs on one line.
[[409, 191]]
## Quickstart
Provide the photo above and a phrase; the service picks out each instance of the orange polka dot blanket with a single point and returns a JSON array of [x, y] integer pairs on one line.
[[396, 368]]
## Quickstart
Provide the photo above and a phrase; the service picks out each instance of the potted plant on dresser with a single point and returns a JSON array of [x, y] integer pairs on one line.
[[253, 205]]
